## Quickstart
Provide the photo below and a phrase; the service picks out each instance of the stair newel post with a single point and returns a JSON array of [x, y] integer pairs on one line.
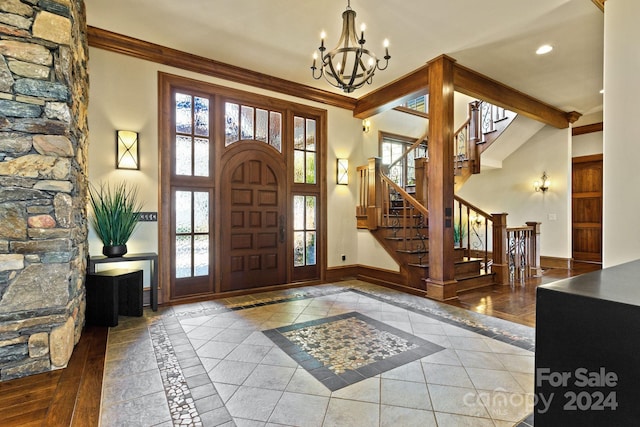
[[422, 177], [374, 210], [500, 262], [475, 135], [534, 249]]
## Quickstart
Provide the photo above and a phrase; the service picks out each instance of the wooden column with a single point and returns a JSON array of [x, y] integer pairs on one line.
[[500, 262], [441, 283], [534, 249]]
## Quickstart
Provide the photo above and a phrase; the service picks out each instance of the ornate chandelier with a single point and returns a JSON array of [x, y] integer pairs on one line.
[[349, 65]]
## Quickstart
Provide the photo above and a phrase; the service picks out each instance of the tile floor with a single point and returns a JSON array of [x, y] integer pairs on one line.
[[344, 354]]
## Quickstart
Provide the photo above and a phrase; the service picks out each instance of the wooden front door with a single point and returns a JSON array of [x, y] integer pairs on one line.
[[587, 208], [253, 227]]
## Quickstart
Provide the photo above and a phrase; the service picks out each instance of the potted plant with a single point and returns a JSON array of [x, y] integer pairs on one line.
[[116, 212]]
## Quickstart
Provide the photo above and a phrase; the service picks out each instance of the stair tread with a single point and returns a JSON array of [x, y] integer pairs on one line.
[[398, 238], [412, 251], [458, 262], [473, 276]]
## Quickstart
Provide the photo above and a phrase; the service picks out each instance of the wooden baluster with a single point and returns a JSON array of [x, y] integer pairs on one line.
[[500, 246]]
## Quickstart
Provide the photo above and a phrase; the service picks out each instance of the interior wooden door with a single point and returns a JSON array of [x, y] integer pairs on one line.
[[587, 208], [253, 227]]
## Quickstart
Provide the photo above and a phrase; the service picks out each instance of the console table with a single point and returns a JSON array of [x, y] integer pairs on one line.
[[153, 262]]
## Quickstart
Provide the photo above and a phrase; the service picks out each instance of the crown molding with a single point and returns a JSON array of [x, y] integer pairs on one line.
[[119, 43]]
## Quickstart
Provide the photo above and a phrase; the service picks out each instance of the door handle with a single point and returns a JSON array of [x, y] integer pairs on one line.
[[281, 229]]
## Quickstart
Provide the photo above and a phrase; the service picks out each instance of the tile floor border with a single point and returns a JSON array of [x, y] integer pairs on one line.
[[192, 398]]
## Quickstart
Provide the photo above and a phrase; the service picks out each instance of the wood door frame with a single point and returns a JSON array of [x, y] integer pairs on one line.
[[166, 84]]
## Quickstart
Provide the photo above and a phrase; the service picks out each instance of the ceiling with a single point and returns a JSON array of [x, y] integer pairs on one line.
[[497, 38]]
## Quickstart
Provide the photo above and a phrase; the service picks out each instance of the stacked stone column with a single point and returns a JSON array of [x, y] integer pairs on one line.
[[43, 183]]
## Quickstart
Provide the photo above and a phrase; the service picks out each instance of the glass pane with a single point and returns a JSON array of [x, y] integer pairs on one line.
[[311, 213], [411, 175], [201, 212], [298, 249], [396, 151], [311, 135], [421, 151], [183, 256], [311, 168], [183, 211], [201, 255], [395, 173], [298, 133], [183, 113], [201, 148], [275, 130], [311, 248], [246, 121], [262, 125], [201, 116], [386, 153], [183, 155], [231, 118], [298, 167], [298, 212]]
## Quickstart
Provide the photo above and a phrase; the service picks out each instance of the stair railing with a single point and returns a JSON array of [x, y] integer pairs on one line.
[[466, 138], [415, 145], [404, 214], [523, 251], [473, 230], [516, 250]]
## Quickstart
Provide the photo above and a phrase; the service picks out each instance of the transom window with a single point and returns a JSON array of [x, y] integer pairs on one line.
[[243, 122]]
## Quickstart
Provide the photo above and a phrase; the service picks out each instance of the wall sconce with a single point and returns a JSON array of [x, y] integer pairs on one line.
[[476, 219], [366, 126], [543, 184], [343, 172], [127, 156]]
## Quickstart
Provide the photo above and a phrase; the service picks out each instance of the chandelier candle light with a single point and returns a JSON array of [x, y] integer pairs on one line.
[[349, 65]]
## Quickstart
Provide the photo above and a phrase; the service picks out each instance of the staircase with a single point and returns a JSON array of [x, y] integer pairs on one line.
[[399, 221]]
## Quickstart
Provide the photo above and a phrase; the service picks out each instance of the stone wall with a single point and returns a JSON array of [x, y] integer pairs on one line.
[[43, 182]]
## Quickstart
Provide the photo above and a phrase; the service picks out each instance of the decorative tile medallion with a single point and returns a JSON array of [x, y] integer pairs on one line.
[[342, 350]]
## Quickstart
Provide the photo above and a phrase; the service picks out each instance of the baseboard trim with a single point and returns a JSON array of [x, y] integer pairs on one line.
[[346, 272], [555, 262]]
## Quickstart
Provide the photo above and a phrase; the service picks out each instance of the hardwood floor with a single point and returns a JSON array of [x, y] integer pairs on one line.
[[517, 302], [66, 397], [71, 396]]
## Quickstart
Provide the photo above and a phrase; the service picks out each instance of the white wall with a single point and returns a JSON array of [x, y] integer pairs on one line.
[[586, 144], [510, 189], [123, 95], [621, 229]]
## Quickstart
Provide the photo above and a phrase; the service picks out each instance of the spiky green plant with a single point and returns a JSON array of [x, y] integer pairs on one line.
[[116, 212]]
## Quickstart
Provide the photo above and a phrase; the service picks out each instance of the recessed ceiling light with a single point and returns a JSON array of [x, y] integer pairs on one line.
[[545, 48], [601, 90]]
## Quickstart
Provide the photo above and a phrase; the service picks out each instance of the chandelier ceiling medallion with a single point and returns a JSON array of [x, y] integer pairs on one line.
[[349, 65]]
